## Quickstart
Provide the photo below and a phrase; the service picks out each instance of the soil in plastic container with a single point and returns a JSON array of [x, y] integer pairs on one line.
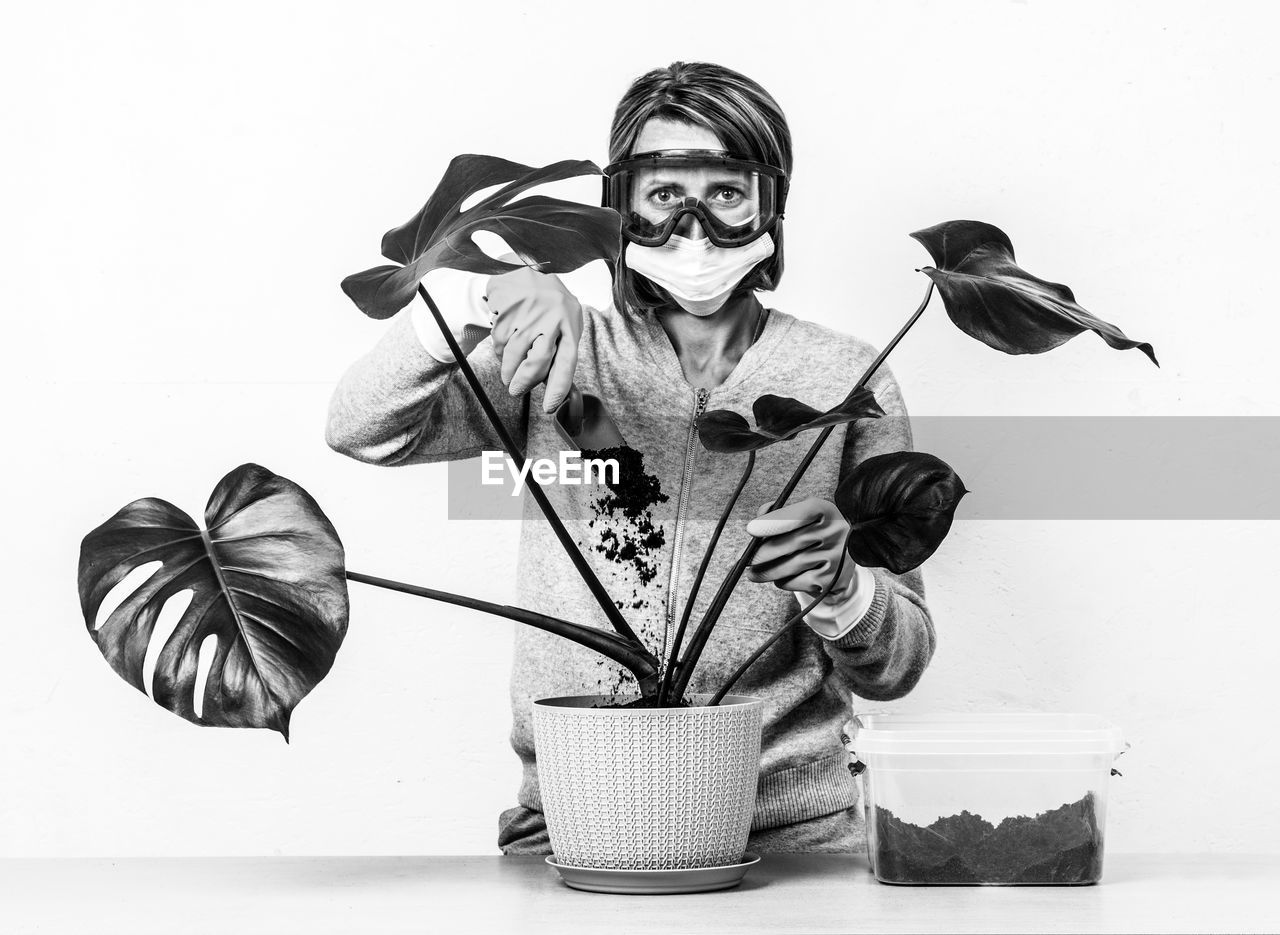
[[1063, 845]]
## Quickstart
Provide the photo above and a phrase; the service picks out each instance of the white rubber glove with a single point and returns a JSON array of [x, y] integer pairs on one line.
[[460, 298], [802, 549], [536, 333]]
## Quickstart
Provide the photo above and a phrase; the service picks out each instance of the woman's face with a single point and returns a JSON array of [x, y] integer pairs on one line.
[[733, 195]]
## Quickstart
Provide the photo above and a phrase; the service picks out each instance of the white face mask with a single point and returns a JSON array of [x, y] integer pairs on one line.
[[698, 274]]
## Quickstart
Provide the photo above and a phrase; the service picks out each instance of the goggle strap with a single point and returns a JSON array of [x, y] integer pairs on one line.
[[693, 156]]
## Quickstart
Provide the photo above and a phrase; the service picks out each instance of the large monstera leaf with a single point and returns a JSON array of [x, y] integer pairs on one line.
[[900, 506], [267, 578], [548, 234], [994, 300]]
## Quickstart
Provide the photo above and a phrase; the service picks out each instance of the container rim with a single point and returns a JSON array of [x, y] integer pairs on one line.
[[1002, 722], [985, 733], [584, 704], [995, 716]]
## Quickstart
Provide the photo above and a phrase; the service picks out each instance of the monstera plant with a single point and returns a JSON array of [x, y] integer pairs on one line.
[[267, 570], [899, 505]]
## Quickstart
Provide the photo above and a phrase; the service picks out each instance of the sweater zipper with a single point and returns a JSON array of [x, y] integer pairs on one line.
[[677, 539]]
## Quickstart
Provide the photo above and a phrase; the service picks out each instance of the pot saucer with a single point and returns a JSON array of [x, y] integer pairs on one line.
[[654, 882]]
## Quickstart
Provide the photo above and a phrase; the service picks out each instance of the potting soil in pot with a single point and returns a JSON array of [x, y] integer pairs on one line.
[[1063, 845]]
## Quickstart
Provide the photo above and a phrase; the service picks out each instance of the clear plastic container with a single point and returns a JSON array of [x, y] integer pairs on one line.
[[985, 799]]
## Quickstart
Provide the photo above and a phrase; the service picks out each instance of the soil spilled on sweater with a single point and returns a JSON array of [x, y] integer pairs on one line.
[[1063, 845], [628, 535], [630, 540]]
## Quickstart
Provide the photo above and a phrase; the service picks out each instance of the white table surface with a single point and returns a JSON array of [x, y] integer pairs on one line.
[[231, 896]]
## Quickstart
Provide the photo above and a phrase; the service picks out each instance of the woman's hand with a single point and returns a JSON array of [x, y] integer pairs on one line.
[[802, 546], [536, 333]]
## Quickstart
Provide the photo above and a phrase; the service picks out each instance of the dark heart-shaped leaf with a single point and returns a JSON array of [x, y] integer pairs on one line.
[[267, 578], [779, 418], [784, 417], [726, 431], [900, 506], [991, 298], [548, 234]]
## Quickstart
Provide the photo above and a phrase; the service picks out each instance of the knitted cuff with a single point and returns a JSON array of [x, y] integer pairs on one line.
[[833, 619], [864, 634]]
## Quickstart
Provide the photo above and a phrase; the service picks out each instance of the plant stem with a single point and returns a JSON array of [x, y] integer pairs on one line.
[[673, 654], [611, 612], [785, 628], [641, 663], [709, 619]]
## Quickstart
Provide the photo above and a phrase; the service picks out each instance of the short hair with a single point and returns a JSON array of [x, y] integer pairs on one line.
[[742, 114]]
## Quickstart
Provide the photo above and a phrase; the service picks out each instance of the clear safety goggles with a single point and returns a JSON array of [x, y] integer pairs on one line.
[[735, 200]]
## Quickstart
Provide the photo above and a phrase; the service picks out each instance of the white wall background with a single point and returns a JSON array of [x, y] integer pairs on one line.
[[186, 185]]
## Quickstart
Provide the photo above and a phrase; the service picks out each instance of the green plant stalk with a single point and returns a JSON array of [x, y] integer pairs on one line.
[[673, 655], [611, 612], [785, 628], [642, 664], [702, 632]]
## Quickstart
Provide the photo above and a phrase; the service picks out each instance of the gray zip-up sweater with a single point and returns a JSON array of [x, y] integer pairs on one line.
[[397, 405]]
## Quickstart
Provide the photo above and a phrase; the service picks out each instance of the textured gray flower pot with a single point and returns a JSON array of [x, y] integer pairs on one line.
[[648, 788]]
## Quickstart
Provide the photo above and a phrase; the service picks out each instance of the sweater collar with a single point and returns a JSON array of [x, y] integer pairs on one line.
[[658, 346]]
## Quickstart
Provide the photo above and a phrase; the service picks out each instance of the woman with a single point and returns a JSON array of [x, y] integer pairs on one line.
[[701, 157]]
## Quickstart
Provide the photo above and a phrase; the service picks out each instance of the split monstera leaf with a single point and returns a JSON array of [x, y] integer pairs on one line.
[[268, 584], [548, 234]]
